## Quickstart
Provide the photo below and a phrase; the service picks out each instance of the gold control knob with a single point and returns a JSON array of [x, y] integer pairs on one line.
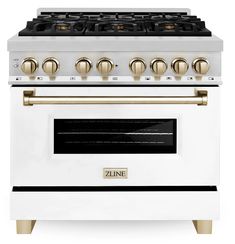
[[201, 66], [158, 66], [105, 66], [50, 66], [137, 66], [83, 66], [179, 66], [29, 66]]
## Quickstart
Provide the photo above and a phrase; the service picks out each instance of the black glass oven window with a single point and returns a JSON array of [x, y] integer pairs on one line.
[[77, 136]]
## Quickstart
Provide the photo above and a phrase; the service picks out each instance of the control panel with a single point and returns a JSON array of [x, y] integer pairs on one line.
[[119, 67]]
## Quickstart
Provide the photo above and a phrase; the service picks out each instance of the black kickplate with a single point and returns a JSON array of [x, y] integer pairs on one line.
[[110, 188]]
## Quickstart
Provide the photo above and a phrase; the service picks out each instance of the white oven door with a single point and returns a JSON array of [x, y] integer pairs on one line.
[[73, 136]]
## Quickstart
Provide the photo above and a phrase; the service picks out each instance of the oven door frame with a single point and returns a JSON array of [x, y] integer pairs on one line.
[[33, 162]]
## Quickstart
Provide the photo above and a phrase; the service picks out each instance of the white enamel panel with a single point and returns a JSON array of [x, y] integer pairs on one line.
[[196, 161], [115, 205]]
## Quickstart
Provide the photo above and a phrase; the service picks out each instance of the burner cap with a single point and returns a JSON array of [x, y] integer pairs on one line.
[[169, 26], [118, 27], [62, 27]]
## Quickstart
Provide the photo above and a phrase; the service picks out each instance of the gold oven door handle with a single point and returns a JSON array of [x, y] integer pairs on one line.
[[29, 99]]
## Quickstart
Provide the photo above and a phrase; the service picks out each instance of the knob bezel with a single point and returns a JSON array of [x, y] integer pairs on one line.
[[156, 60], [51, 59], [136, 59], [197, 60], [86, 60], [106, 60], [30, 59], [176, 60]]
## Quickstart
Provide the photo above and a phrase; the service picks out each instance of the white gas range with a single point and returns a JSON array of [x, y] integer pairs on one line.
[[115, 116]]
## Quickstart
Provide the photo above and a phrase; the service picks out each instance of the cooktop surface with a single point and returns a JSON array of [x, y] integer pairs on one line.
[[115, 24]]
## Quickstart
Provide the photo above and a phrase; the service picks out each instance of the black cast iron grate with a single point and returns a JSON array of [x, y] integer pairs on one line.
[[115, 24]]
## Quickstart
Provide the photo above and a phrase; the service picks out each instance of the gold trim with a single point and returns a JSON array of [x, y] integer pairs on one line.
[[26, 97], [25, 226], [30, 59], [54, 60], [137, 59], [201, 98], [176, 60], [200, 59], [203, 226], [155, 60], [115, 173], [84, 59], [107, 60]]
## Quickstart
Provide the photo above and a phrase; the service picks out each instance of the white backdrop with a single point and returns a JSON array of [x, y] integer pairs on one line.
[[219, 18]]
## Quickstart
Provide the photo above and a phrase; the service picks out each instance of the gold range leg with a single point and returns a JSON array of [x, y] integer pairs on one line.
[[24, 226], [203, 226]]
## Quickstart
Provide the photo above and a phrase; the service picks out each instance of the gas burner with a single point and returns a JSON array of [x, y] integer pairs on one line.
[[169, 26], [62, 26], [115, 27], [115, 24], [120, 27]]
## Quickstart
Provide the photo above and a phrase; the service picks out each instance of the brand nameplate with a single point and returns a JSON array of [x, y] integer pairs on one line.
[[115, 173]]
